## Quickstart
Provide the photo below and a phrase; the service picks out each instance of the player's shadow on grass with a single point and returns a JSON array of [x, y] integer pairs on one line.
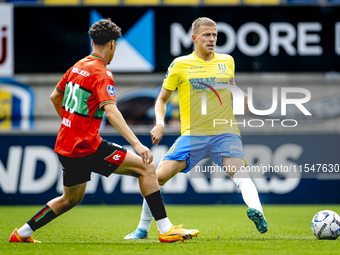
[[270, 238], [118, 243]]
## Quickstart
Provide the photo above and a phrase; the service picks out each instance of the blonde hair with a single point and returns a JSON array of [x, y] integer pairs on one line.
[[203, 21]]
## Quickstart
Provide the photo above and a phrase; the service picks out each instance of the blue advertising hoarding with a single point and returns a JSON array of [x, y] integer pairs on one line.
[[30, 173], [153, 37]]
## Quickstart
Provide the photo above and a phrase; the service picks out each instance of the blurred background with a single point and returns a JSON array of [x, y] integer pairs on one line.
[[275, 44]]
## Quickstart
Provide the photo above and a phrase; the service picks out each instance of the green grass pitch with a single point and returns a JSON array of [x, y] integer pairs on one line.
[[223, 230]]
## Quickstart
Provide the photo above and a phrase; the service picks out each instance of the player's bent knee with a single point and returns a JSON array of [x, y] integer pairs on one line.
[[231, 174], [144, 170], [134, 166], [150, 169], [233, 165], [163, 178], [161, 181]]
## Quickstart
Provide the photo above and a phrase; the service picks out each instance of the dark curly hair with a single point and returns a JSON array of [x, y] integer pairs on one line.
[[104, 31]]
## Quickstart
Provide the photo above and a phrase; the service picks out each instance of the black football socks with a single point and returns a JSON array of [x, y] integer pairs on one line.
[[44, 216], [155, 202]]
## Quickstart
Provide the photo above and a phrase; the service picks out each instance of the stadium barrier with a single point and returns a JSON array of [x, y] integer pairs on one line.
[[286, 169]]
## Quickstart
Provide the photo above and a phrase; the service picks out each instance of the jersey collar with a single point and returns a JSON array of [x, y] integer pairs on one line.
[[195, 55], [99, 57]]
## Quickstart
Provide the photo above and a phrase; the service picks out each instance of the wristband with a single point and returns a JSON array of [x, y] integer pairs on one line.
[[159, 122]]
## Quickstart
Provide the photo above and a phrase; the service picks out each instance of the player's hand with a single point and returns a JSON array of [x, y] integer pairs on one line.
[[144, 153], [157, 134], [246, 107]]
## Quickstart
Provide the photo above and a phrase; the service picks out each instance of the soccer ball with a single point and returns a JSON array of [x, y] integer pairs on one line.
[[326, 225]]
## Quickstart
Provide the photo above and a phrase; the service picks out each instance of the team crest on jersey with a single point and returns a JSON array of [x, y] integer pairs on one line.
[[222, 67], [111, 90], [109, 74]]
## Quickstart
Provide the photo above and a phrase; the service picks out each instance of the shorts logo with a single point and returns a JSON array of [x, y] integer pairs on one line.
[[172, 149], [111, 90], [116, 157]]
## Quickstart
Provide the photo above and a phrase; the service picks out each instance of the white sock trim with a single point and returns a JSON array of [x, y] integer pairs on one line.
[[163, 225], [25, 230], [146, 217], [248, 190]]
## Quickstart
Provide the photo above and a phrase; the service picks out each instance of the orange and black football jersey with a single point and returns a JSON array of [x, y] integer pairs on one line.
[[87, 87]]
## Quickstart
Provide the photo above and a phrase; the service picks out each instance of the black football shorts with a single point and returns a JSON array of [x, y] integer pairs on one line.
[[104, 161]]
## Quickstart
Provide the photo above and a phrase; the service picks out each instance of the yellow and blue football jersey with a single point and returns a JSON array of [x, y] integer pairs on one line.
[[202, 98]]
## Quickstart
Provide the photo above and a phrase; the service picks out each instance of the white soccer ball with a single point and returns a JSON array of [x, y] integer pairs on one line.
[[326, 225]]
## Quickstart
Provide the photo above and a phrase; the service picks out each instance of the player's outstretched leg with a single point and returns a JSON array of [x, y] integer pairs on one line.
[[251, 198], [257, 217], [249, 193], [23, 235], [149, 187], [57, 206], [16, 238]]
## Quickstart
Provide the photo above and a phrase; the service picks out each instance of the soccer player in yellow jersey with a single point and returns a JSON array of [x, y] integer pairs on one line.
[[201, 79]]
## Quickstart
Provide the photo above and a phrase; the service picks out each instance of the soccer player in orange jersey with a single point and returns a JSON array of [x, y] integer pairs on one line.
[[82, 96]]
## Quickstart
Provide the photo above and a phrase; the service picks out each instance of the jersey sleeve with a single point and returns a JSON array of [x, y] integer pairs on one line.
[[172, 77], [232, 79], [62, 83], [105, 92]]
